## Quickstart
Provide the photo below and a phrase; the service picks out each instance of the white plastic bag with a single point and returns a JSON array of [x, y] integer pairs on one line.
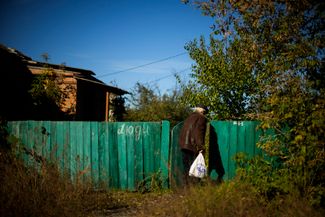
[[198, 168]]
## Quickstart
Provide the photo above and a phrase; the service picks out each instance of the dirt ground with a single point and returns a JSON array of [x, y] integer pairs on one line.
[[134, 204]]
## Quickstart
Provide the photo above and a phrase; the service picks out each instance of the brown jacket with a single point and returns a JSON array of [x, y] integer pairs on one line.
[[193, 133]]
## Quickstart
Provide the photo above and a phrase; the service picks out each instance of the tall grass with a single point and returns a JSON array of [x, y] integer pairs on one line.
[[43, 190], [230, 199]]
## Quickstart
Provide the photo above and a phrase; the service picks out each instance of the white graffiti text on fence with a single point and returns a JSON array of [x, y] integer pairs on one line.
[[135, 131]]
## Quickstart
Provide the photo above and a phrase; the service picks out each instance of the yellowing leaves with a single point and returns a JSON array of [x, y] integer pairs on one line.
[[298, 138], [288, 115]]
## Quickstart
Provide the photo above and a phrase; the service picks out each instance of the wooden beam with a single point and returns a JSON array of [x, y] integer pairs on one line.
[[107, 107]]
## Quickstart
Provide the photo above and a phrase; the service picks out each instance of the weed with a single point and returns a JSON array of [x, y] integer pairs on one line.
[[152, 183], [230, 199], [40, 188]]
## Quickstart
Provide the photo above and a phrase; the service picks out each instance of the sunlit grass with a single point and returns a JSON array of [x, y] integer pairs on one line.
[[230, 199], [46, 191]]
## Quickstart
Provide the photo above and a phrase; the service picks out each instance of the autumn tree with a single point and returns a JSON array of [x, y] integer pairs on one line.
[[265, 60]]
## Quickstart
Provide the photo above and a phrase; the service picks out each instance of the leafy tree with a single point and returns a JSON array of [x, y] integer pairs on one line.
[[146, 104], [222, 79], [275, 49], [118, 108]]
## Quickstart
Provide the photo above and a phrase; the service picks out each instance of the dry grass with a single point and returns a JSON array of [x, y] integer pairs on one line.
[[227, 200], [26, 191]]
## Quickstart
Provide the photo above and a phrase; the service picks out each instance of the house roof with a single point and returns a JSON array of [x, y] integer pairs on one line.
[[83, 72], [79, 74]]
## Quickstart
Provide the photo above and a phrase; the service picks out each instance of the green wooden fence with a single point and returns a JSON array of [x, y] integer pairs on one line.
[[226, 138], [121, 154], [124, 154], [234, 137]]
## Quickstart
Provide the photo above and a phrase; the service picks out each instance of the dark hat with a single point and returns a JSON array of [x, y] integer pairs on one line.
[[203, 106]]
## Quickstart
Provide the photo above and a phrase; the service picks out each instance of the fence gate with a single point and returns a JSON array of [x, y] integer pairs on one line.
[[226, 138], [120, 154]]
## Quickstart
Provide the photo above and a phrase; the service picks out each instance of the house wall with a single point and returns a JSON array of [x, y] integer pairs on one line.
[[15, 81], [91, 102], [83, 100]]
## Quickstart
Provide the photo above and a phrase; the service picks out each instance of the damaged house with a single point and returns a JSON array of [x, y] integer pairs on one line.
[[84, 97]]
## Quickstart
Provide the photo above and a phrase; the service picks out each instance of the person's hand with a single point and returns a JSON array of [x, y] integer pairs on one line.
[[200, 151]]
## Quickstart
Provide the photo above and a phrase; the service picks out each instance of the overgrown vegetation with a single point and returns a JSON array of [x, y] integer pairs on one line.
[[46, 93], [146, 104], [265, 61], [235, 198]]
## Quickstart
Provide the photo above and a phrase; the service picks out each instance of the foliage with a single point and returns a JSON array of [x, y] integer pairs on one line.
[[46, 93], [119, 109], [152, 183], [222, 80], [269, 178], [44, 89], [146, 104], [275, 48]]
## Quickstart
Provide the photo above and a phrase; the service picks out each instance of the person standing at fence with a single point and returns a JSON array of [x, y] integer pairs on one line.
[[192, 139]]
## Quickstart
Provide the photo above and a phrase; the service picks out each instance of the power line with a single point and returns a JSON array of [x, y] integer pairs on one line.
[[166, 76], [140, 66]]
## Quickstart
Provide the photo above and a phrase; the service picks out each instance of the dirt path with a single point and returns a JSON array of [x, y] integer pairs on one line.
[[121, 212], [137, 205]]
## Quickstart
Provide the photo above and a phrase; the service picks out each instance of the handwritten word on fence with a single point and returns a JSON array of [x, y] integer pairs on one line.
[[238, 123], [135, 131]]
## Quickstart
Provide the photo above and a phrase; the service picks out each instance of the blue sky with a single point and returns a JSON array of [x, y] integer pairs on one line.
[[107, 36]]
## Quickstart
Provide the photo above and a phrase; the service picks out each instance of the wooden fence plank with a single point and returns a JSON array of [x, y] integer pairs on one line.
[[73, 150], [164, 153], [46, 139], [130, 152], [223, 131], [250, 139], [233, 148], [59, 145], [23, 130], [94, 152], [147, 152], [176, 164], [138, 155], [241, 137], [156, 147], [53, 142], [86, 158], [114, 175], [122, 155], [67, 148], [103, 153]]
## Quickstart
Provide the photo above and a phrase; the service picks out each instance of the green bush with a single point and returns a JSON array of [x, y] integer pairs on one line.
[[266, 175]]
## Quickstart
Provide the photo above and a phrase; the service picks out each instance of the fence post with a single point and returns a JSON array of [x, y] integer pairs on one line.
[[164, 160]]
